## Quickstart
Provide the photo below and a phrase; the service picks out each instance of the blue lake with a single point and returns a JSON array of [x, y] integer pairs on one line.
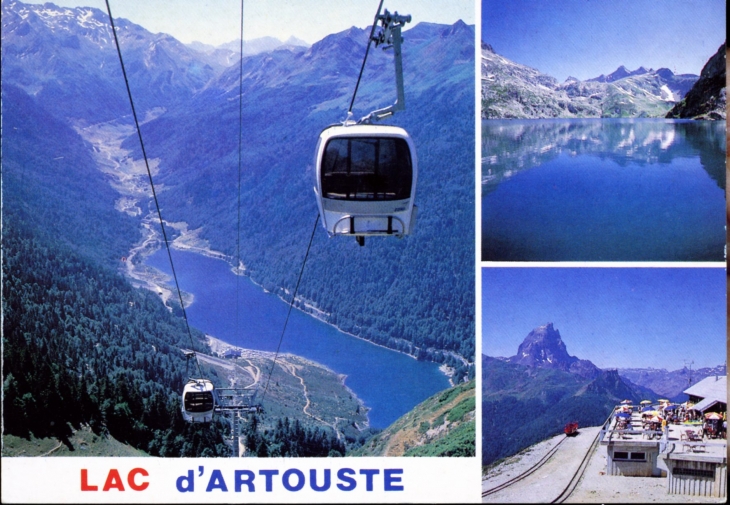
[[603, 190], [390, 383]]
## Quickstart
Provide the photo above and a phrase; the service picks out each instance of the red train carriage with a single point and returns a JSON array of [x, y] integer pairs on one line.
[[571, 429]]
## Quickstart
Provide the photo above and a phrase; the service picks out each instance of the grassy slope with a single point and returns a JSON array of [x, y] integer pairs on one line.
[[331, 403], [442, 425], [83, 442]]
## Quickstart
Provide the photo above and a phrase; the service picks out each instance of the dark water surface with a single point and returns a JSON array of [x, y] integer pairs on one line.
[[603, 190], [389, 382]]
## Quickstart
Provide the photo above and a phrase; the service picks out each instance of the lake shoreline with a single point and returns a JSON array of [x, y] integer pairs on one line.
[[188, 241]]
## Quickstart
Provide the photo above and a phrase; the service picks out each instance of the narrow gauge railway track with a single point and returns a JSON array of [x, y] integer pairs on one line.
[[579, 472], [528, 472], [583, 464], [568, 490]]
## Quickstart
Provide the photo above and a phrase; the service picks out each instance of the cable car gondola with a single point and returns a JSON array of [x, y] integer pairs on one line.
[[366, 174], [366, 180], [198, 401]]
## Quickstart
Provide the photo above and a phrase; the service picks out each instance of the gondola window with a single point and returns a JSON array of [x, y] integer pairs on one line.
[[367, 169], [198, 402]]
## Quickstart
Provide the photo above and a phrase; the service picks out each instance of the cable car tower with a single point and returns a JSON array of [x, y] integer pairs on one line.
[[201, 399], [366, 174]]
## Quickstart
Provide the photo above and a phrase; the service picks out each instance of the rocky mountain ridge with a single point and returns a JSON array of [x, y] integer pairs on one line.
[[48, 52], [227, 54], [670, 383], [514, 91], [707, 98]]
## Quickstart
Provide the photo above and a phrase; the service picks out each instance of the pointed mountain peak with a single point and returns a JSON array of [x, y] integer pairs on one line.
[[293, 41], [544, 348], [457, 27], [617, 74]]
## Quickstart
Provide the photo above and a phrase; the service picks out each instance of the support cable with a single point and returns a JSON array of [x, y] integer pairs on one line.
[[152, 185], [240, 155], [367, 50], [291, 304]]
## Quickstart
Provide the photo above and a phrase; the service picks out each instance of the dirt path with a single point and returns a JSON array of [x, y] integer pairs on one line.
[[60, 444], [292, 370]]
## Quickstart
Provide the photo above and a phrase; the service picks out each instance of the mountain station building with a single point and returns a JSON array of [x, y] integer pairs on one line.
[[693, 463], [700, 468]]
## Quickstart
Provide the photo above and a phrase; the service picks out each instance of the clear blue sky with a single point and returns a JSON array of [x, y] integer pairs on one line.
[[218, 21], [615, 317], [587, 38]]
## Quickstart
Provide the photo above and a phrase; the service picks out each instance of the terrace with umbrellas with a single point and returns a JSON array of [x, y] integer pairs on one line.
[[686, 442]]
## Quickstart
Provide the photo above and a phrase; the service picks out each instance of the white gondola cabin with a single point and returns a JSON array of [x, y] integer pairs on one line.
[[198, 401], [366, 180]]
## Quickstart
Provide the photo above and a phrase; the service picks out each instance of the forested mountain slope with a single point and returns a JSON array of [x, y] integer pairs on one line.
[[82, 347], [419, 289], [50, 181], [415, 294]]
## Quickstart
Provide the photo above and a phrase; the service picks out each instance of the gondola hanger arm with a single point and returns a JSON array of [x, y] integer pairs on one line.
[[390, 35]]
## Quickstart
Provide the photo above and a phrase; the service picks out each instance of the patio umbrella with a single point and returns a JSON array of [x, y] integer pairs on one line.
[[626, 401], [713, 415], [656, 419], [645, 402], [663, 400]]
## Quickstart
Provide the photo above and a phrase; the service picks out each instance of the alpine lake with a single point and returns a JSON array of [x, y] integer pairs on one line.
[[603, 190], [237, 311]]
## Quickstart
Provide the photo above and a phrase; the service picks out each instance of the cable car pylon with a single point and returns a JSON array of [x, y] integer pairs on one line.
[[366, 174]]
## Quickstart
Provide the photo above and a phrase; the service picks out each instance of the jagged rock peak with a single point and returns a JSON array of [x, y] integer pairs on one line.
[[544, 348], [487, 47], [543, 344]]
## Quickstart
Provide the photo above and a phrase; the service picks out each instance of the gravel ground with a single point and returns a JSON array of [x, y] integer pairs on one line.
[[520, 462], [597, 487]]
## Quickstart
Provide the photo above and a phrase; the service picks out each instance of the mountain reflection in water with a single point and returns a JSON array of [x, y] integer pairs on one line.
[[603, 190]]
